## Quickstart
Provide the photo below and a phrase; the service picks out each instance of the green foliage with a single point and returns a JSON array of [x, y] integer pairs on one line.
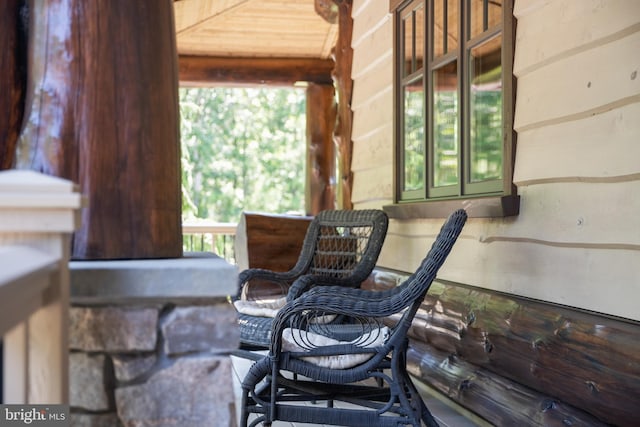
[[414, 139], [242, 149]]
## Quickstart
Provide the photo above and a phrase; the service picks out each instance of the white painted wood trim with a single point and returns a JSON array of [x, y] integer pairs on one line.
[[15, 366], [37, 215]]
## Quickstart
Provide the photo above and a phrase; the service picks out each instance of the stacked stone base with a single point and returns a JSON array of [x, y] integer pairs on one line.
[[141, 361]]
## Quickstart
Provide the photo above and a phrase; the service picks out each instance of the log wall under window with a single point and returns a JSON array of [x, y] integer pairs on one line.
[[516, 361]]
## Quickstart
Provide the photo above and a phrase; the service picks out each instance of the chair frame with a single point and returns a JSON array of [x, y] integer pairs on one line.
[[273, 387], [255, 331]]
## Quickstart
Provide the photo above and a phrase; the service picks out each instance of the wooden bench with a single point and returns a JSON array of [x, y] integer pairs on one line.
[[514, 361]]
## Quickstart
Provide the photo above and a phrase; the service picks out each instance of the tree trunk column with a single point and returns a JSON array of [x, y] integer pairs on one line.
[[12, 78], [321, 119], [102, 111], [343, 53]]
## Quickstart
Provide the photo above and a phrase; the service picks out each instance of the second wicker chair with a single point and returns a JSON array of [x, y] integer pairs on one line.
[[341, 247]]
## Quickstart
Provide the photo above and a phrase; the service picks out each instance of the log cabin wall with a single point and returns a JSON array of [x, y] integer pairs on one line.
[[576, 240], [515, 361]]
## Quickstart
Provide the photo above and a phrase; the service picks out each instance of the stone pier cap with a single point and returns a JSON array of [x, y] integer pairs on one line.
[[197, 277]]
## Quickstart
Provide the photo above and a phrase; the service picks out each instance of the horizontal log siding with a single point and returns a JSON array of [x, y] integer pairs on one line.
[[372, 105], [573, 357], [576, 240], [517, 361]]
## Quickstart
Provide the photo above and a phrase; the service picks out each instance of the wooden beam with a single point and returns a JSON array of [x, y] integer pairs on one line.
[[209, 70]]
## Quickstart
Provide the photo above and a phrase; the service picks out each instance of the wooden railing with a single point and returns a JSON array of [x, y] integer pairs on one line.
[[37, 215], [216, 237], [26, 276]]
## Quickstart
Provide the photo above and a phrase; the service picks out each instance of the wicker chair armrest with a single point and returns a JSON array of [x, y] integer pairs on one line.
[[307, 282], [310, 287], [245, 276], [325, 301]]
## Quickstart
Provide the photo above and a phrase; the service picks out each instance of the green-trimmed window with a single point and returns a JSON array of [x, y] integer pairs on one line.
[[454, 92]]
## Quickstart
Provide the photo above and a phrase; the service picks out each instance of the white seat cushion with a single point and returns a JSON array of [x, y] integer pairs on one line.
[[260, 308], [300, 341]]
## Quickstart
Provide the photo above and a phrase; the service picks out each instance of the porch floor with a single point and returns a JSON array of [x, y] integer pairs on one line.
[[444, 414]]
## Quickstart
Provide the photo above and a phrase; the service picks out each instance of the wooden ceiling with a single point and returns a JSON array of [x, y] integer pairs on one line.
[[254, 28]]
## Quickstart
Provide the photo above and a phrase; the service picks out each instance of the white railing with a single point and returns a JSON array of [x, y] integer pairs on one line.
[[37, 216], [208, 236]]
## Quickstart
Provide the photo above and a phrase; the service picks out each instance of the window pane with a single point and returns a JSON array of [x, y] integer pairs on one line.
[[413, 136], [453, 19], [445, 125], [413, 41], [485, 97], [419, 37], [494, 13], [446, 17], [438, 28], [484, 14], [407, 46], [476, 17]]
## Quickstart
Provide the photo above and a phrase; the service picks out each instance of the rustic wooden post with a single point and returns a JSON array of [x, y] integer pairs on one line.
[[344, 85], [103, 112], [339, 11], [12, 78], [321, 116]]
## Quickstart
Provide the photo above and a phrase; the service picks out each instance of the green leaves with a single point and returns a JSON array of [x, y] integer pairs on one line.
[[242, 149]]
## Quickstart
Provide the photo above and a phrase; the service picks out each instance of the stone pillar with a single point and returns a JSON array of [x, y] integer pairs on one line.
[[150, 342]]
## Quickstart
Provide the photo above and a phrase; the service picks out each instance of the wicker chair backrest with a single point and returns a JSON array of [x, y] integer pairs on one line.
[[343, 243]]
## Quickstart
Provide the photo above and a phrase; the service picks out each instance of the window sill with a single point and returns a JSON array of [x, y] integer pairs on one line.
[[482, 207]]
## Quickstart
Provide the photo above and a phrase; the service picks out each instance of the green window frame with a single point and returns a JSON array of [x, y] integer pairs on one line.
[[453, 104]]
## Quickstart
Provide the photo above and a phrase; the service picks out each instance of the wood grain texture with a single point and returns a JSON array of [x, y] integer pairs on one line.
[[517, 361], [344, 87], [253, 28], [12, 77], [373, 82], [596, 141], [549, 30], [370, 116], [269, 241], [103, 112], [581, 85], [372, 184], [373, 150], [321, 158], [207, 70]]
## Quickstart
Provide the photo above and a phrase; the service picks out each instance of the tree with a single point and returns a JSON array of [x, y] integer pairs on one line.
[[242, 149]]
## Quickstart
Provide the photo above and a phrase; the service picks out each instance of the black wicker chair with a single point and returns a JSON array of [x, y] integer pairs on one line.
[[341, 247], [281, 385]]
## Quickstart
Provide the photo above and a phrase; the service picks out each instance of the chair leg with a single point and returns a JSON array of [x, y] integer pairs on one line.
[[427, 418], [244, 414], [421, 409]]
